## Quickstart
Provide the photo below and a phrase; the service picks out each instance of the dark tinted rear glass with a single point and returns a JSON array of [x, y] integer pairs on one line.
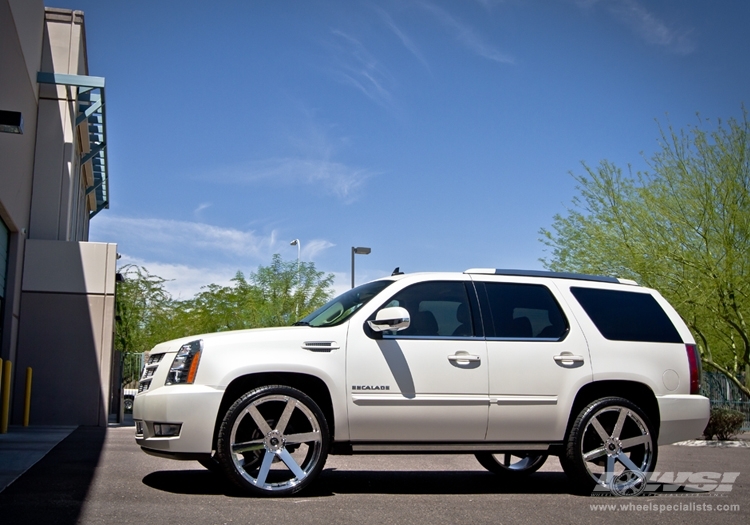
[[627, 316], [524, 311]]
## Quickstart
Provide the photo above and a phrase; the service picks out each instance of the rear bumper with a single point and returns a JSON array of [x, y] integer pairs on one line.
[[194, 407], [682, 417]]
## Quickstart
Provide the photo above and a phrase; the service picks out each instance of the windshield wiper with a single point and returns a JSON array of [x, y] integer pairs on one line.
[[301, 323]]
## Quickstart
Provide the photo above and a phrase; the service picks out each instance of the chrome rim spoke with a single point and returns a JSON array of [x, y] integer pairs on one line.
[[596, 453], [638, 440], [609, 474], [286, 415], [625, 460], [262, 424], [599, 429], [265, 467], [247, 446], [288, 460], [306, 437], [620, 423]]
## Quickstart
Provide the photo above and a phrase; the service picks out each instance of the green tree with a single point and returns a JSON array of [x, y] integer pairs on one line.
[[143, 312], [286, 291], [682, 227], [274, 295]]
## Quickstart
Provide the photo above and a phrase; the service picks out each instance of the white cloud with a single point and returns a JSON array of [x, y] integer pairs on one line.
[[202, 207], [466, 35], [195, 244], [182, 239], [335, 178], [191, 254], [183, 281], [405, 40], [646, 24], [359, 68], [311, 249]]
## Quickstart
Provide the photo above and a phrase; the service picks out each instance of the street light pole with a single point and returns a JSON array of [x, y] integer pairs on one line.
[[360, 250], [298, 244]]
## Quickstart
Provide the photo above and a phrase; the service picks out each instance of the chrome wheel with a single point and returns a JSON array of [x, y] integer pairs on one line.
[[273, 441], [511, 465], [613, 445]]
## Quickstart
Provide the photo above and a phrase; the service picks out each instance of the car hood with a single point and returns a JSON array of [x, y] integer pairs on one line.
[[231, 339]]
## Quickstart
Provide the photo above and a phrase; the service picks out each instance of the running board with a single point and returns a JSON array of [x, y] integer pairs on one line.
[[444, 448]]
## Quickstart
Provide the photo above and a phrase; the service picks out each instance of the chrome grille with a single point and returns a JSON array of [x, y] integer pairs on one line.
[[148, 372]]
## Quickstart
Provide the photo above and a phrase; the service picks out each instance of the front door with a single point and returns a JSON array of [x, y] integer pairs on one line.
[[427, 383]]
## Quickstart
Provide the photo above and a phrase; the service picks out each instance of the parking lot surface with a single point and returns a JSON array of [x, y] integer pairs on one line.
[[100, 476]]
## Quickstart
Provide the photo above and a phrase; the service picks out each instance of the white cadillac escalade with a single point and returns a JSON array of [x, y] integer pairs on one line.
[[508, 365]]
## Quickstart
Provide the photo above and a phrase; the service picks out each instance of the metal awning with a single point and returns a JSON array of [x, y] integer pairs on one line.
[[91, 110]]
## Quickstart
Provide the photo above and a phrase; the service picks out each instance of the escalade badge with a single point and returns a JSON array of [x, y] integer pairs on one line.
[[371, 387]]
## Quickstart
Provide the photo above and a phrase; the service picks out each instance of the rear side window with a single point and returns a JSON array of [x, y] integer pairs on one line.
[[523, 311], [627, 316]]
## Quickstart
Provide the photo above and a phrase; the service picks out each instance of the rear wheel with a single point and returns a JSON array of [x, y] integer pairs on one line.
[[273, 441], [612, 444], [511, 465]]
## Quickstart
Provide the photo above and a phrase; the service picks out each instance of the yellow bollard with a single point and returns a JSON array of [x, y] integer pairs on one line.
[[27, 398], [5, 400]]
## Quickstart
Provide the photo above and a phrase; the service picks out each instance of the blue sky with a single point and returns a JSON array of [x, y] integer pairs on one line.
[[439, 133]]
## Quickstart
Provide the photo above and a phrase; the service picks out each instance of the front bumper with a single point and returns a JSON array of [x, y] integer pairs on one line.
[[683, 417], [194, 407]]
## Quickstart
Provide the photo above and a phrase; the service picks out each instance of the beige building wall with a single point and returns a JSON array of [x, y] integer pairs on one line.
[[58, 303], [21, 36]]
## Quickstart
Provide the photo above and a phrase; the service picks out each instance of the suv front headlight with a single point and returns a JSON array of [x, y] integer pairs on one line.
[[185, 364]]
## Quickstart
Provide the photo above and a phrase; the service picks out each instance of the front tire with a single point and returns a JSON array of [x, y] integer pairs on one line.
[[273, 441], [611, 444]]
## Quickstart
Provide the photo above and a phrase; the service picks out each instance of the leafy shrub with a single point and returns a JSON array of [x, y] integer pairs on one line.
[[724, 423]]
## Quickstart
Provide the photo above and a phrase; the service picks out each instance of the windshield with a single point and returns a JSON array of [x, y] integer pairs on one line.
[[339, 309]]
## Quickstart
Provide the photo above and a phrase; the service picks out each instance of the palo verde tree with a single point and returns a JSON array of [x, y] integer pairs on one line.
[[682, 227]]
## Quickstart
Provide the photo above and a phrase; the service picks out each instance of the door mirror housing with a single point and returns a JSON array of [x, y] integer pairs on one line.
[[394, 318]]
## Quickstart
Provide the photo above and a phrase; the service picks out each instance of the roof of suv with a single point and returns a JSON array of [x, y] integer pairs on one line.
[[550, 275]]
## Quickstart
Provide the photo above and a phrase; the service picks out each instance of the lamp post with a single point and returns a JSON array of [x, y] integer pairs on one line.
[[360, 250], [298, 244]]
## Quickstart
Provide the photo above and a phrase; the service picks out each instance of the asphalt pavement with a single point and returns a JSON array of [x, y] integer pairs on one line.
[[100, 476]]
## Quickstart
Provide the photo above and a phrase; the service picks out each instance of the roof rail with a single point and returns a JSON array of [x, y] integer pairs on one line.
[[552, 275]]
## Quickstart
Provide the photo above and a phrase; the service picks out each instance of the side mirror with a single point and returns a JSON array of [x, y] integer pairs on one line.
[[393, 318]]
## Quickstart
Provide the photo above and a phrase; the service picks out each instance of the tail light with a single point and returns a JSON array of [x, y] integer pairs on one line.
[[694, 360]]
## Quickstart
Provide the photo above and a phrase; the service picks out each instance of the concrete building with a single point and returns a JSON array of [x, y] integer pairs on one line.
[[56, 288]]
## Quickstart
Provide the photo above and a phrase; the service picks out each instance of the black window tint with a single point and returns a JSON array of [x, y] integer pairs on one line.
[[522, 311], [437, 308], [627, 316]]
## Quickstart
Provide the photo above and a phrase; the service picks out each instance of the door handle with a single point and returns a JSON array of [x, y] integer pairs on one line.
[[464, 358], [568, 358]]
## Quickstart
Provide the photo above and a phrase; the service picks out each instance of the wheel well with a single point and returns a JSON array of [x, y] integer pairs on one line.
[[637, 393], [310, 385]]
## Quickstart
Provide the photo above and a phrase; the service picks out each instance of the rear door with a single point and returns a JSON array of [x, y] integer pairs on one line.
[[538, 359]]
